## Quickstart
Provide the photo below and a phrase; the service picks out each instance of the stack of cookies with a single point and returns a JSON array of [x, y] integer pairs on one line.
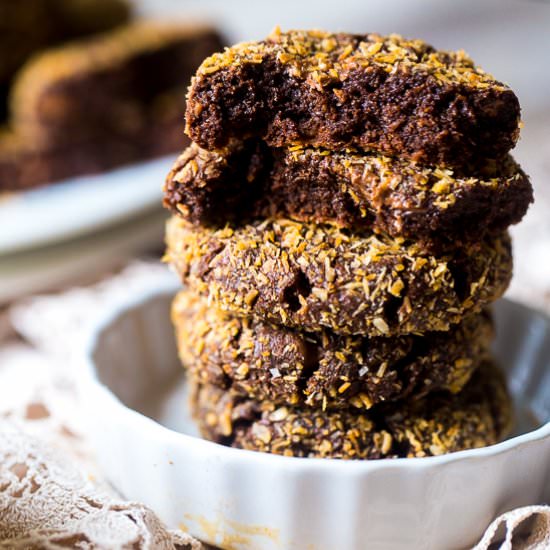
[[340, 228]]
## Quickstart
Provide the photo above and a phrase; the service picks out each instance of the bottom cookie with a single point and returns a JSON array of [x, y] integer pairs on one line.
[[480, 415]]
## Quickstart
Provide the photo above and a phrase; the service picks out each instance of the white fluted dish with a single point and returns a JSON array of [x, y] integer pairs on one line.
[[133, 391]]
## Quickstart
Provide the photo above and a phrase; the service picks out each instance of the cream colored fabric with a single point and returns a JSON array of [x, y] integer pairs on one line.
[[52, 494], [45, 502]]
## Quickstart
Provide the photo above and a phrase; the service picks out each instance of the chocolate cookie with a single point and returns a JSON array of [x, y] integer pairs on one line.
[[116, 85], [284, 366], [32, 25], [24, 165], [353, 190], [312, 276], [477, 416], [96, 104], [396, 96]]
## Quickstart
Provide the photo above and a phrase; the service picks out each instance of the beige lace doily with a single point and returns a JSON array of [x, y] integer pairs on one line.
[[52, 495], [45, 502]]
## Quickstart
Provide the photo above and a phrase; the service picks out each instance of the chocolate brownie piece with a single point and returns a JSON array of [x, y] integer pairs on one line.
[[31, 25], [24, 166], [396, 96], [323, 370], [110, 86], [76, 18], [76, 109], [311, 276], [352, 190], [24, 28], [479, 415]]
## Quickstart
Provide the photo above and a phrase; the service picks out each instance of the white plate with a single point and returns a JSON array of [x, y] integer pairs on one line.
[[77, 260], [132, 393], [80, 205]]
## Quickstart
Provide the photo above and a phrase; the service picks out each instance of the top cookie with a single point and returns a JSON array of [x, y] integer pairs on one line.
[[396, 96]]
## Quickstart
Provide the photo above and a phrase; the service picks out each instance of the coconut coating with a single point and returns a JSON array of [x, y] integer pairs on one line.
[[441, 423], [351, 189], [311, 277], [324, 370], [385, 93]]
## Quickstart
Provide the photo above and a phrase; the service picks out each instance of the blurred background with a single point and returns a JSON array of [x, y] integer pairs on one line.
[[92, 100]]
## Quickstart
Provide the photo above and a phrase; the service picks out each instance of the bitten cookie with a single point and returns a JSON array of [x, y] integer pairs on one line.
[[312, 276], [353, 190], [323, 370], [396, 96], [479, 415]]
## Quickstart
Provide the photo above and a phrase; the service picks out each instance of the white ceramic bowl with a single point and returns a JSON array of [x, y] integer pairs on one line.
[[247, 500]]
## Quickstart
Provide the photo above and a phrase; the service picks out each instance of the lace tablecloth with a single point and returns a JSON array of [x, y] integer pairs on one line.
[[52, 494]]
